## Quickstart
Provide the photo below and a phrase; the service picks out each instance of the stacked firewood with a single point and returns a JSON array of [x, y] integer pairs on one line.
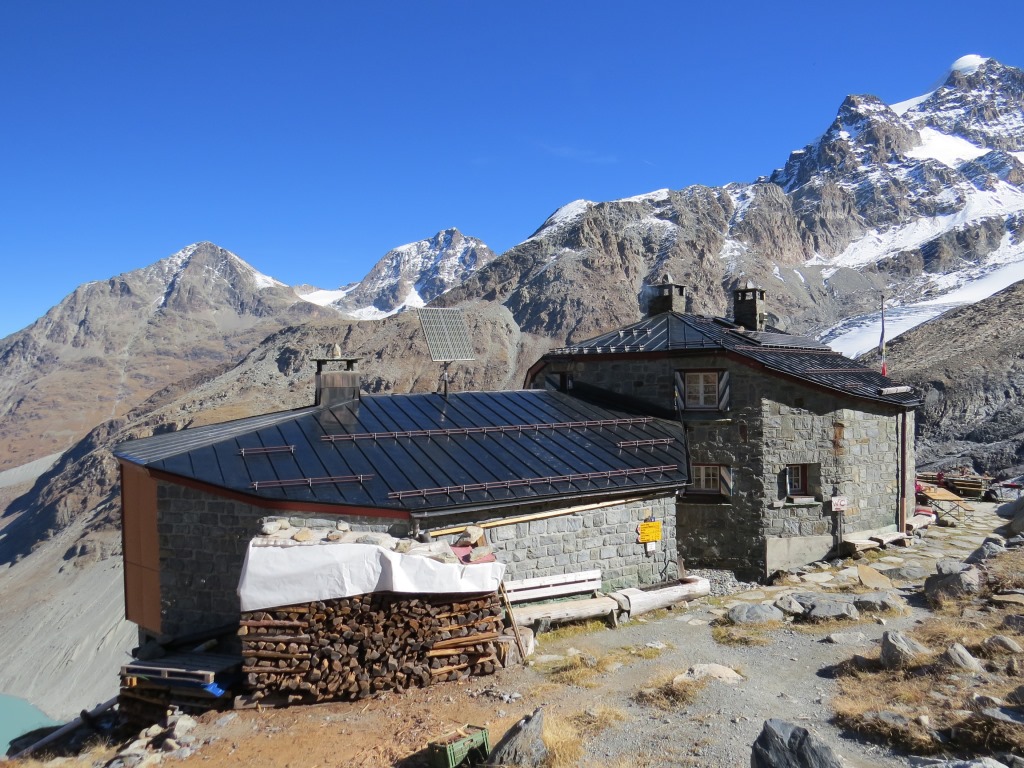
[[353, 647]]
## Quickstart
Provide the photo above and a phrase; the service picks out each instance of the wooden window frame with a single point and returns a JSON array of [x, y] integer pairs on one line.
[[721, 476], [802, 486], [700, 388], [691, 382]]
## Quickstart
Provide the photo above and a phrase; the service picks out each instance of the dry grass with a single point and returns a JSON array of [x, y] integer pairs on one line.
[[745, 634], [580, 670], [940, 633], [867, 690], [591, 722], [99, 753], [565, 747], [574, 671], [908, 693], [655, 615], [542, 692], [666, 693], [566, 631], [1006, 571], [644, 651]]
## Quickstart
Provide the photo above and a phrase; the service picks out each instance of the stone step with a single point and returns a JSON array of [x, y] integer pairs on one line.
[[887, 539], [851, 546]]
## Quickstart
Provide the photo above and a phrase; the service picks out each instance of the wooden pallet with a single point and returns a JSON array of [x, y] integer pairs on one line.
[[201, 668]]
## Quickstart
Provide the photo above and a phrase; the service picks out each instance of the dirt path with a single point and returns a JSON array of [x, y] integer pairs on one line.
[[784, 679]]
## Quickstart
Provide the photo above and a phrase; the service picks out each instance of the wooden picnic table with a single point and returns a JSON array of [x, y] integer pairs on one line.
[[946, 502]]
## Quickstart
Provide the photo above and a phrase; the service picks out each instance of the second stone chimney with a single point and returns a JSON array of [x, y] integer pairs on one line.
[[666, 296], [337, 386], [748, 307]]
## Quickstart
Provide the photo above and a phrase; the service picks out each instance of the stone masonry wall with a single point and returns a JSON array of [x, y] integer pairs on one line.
[[852, 449], [604, 539], [771, 422], [719, 531], [203, 539]]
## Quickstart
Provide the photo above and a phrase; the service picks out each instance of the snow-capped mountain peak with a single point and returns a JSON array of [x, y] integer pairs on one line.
[[410, 275]]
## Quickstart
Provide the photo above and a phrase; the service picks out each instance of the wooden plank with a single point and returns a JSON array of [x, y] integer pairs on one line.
[[888, 538], [561, 578], [940, 494], [919, 521], [561, 590], [455, 642], [849, 546], [572, 610], [637, 601], [560, 585]]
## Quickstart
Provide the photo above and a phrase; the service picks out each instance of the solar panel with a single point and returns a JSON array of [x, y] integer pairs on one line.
[[768, 339], [447, 334]]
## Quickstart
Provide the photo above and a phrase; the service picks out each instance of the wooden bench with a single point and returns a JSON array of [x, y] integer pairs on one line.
[[547, 587]]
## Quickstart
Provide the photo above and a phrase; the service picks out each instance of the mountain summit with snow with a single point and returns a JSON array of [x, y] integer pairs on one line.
[[408, 276]]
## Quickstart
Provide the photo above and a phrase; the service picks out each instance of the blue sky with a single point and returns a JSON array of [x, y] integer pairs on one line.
[[311, 138]]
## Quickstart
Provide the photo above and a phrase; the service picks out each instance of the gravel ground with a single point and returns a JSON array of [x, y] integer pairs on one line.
[[782, 680], [788, 679]]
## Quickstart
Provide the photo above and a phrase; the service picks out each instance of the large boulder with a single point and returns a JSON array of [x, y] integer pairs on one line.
[[1014, 509], [784, 745], [757, 613], [958, 656], [900, 650], [522, 745], [986, 551], [880, 602], [954, 579], [829, 608]]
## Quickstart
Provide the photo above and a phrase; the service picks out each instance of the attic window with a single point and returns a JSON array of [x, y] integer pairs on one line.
[[702, 390]]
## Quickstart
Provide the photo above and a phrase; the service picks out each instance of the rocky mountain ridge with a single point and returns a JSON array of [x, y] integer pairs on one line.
[[882, 202], [110, 344], [905, 199]]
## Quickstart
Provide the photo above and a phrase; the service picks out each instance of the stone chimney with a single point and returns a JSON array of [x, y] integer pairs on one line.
[[337, 386], [748, 307], [666, 296]]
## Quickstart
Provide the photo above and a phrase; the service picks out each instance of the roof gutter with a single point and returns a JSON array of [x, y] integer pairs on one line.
[[651, 490]]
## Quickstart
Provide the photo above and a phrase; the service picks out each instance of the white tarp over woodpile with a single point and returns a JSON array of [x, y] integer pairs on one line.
[[276, 576]]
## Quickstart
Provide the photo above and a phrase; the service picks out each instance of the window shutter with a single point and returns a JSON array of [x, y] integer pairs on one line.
[[680, 393], [723, 390], [725, 480], [789, 482]]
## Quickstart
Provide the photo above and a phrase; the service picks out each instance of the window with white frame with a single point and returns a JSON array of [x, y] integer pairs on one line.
[[797, 479], [702, 389], [707, 478]]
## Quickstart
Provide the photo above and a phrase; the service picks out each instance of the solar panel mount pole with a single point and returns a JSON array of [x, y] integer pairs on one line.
[[444, 377]]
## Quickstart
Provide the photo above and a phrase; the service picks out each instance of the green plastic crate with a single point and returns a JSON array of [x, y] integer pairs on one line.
[[470, 745]]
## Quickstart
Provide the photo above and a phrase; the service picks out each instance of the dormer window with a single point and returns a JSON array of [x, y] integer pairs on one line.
[[702, 390]]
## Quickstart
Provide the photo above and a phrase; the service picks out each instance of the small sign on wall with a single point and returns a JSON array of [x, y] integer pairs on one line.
[[840, 503], [649, 531]]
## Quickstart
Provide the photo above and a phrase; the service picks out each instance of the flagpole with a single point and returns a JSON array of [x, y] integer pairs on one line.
[[881, 340]]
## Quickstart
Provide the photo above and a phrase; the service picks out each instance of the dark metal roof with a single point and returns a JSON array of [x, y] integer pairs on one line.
[[798, 356], [482, 449]]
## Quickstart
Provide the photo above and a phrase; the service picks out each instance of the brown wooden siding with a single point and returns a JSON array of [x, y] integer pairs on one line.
[[141, 547]]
